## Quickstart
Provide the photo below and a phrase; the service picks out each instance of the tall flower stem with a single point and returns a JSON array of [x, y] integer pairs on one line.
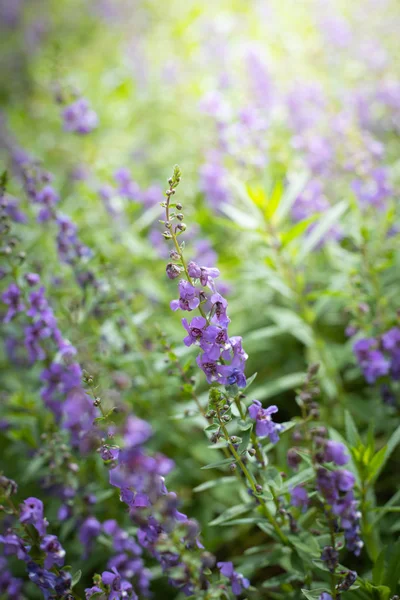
[[252, 482]]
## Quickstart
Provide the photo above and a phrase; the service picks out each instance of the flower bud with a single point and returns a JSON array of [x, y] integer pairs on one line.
[[173, 271]]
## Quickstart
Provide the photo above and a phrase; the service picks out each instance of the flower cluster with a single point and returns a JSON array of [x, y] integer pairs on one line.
[[42, 552], [379, 357], [79, 117], [140, 479], [222, 358], [62, 391]]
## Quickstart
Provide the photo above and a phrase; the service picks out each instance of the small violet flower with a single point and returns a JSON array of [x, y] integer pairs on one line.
[[238, 582], [264, 424]]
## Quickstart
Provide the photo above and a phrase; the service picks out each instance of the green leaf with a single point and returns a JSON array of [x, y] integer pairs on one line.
[[220, 463], [76, 578], [273, 388], [313, 594], [290, 321], [207, 485], [245, 439], [394, 440], [329, 219], [297, 479], [231, 513], [250, 381], [376, 464], [297, 230], [352, 435]]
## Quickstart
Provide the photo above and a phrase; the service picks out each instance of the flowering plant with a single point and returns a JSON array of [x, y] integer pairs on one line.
[[200, 387]]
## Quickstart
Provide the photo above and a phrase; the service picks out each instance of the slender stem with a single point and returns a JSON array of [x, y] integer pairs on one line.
[[253, 484]]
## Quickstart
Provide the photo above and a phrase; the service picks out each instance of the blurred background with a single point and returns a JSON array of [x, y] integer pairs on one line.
[[284, 117]]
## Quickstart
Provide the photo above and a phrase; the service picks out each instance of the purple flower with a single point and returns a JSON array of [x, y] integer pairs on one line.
[[31, 512], [299, 497], [325, 596], [391, 339], [10, 587], [372, 362], [14, 545], [89, 531], [375, 189], [205, 274], [79, 117], [12, 297], [136, 432], [32, 279], [209, 366], [173, 271], [345, 480], [264, 424], [196, 330], [89, 592], [126, 186], [188, 297], [119, 588], [219, 305], [335, 452], [38, 304], [330, 557], [55, 553], [238, 582]]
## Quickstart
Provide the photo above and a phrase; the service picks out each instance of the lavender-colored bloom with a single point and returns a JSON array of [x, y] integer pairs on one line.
[[12, 297], [55, 553], [136, 431], [89, 592], [13, 544], [345, 480], [219, 305], [214, 182], [238, 582], [79, 117], [325, 596], [209, 366], [372, 362], [299, 497], [375, 190], [335, 452], [119, 588], [196, 330], [44, 579], [31, 512], [88, 532], [38, 305], [264, 424], [391, 339], [126, 186], [10, 586], [205, 274], [32, 279], [188, 297]]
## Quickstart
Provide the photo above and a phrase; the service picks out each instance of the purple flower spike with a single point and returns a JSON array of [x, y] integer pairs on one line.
[[299, 497], [12, 297], [238, 582], [335, 452], [264, 424], [79, 117]]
